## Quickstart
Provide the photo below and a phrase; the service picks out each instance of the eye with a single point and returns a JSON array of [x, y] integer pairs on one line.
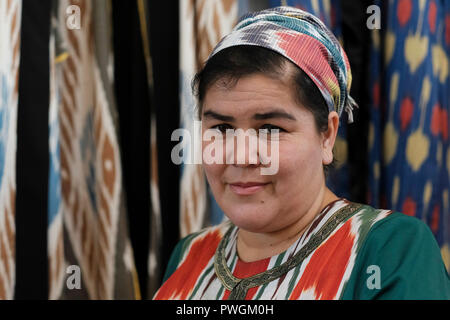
[[268, 127], [222, 127]]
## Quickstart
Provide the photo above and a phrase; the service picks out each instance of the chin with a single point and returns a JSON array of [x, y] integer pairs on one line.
[[253, 219]]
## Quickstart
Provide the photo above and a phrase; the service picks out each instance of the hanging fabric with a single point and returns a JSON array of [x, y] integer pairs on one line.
[[94, 232], [154, 254], [10, 26], [409, 145]]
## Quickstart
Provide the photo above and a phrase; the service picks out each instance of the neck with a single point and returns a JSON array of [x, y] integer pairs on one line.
[[253, 246]]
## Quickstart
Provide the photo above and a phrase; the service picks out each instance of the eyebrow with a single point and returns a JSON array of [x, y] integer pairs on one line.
[[218, 116], [276, 114]]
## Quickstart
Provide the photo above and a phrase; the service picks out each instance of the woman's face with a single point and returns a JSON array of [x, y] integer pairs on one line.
[[252, 201]]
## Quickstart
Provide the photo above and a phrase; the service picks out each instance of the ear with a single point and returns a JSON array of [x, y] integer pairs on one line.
[[329, 137]]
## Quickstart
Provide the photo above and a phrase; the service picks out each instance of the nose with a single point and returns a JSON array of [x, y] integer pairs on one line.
[[244, 150]]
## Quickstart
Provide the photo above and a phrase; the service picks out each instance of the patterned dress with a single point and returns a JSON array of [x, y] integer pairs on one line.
[[349, 251]]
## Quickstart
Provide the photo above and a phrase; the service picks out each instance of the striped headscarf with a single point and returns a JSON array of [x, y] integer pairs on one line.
[[305, 40]]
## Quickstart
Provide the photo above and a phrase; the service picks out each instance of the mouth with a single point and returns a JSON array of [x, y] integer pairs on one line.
[[247, 188]]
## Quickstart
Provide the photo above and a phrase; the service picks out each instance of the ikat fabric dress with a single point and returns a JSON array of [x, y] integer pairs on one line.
[[349, 251]]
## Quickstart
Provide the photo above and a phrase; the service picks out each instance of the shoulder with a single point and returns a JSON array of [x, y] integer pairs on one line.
[[404, 236], [367, 217], [405, 253], [397, 219], [380, 225], [205, 237], [397, 234], [397, 230], [197, 246]]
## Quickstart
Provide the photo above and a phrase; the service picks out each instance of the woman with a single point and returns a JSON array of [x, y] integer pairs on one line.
[[288, 236]]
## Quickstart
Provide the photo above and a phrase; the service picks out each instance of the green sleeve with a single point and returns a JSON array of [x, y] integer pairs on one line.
[[177, 254], [174, 259], [408, 259]]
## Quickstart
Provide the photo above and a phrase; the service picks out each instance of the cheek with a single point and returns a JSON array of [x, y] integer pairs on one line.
[[214, 173], [300, 160], [213, 169]]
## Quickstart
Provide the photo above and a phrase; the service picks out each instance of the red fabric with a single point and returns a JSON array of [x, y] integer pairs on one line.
[[327, 266], [248, 269], [183, 280]]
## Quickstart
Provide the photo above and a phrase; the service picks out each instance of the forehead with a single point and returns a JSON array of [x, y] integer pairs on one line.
[[252, 93]]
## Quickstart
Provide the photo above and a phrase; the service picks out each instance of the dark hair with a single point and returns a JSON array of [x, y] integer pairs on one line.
[[235, 62]]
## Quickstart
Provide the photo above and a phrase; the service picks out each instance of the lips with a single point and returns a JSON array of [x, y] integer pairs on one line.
[[247, 188]]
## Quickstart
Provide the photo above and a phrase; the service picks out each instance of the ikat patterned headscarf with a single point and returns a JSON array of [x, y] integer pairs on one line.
[[305, 40]]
